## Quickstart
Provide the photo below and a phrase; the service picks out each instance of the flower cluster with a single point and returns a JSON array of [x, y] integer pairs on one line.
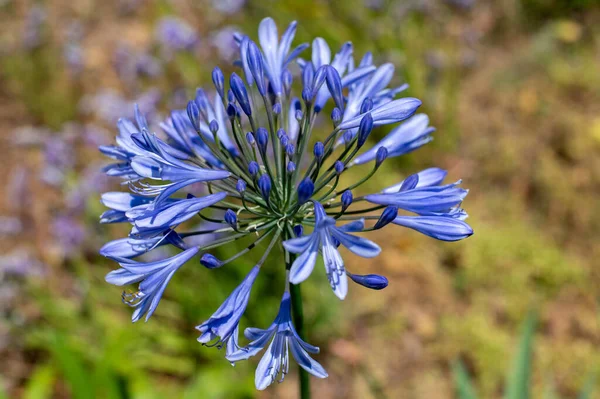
[[268, 179]]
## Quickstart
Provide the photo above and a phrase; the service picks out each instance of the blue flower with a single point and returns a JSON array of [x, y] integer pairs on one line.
[[321, 55], [276, 54], [131, 247], [153, 278], [119, 203], [275, 361], [222, 325], [372, 281], [387, 113], [151, 221], [439, 227], [325, 236], [423, 199], [410, 135], [426, 178], [260, 181]]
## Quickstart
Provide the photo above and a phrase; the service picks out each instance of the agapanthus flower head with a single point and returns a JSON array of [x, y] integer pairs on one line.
[[270, 179]]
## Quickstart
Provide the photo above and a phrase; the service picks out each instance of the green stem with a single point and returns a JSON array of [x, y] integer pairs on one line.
[[298, 315]]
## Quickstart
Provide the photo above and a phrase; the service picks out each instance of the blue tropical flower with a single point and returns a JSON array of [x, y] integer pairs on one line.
[[439, 227], [153, 278], [423, 199], [275, 362], [223, 324], [265, 177], [325, 237], [410, 135], [119, 203], [130, 247], [151, 221], [425, 178]]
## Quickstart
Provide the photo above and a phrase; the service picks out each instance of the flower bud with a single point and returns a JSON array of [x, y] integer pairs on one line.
[[366, 105], [254, 58], [240, 186], [307, 94], [202, 102], [319, 150], [194, 114], [250, 138], [262, 138], [334, 84], [253, 168], [264, 185], [284, 140], [308, 74], [339, 167], [346, 199], [291, 167], [306, 189], [213, 126], [240, 92], [409, 183], [319, 79], [380, 156], [210, 261], [230, 218], [290, 149], [298, 230], [219, 81], [372, 281], [364, 130], [387, 216], [231, 111], [348, 136], [277, 108], [336, 116], [287, 79]]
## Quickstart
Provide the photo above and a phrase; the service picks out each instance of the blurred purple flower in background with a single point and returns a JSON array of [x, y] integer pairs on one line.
[[131, 64], [69, 233], [59, 158], [175, 35], [19, 263], [73, 51], [224, 41], [109, 105], [228, 7], [34, 22]]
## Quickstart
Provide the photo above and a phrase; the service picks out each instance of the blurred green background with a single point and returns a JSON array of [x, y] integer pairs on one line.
[[513, 88]]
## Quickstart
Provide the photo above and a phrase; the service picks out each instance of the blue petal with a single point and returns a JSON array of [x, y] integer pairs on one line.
[[298, 245], [122, 201], [321, 54], [305, 361], [357, 245], [391, 112], [353, 227], [428, 177], [441, 228], [334, 266], [305, 263], [426, 199]]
